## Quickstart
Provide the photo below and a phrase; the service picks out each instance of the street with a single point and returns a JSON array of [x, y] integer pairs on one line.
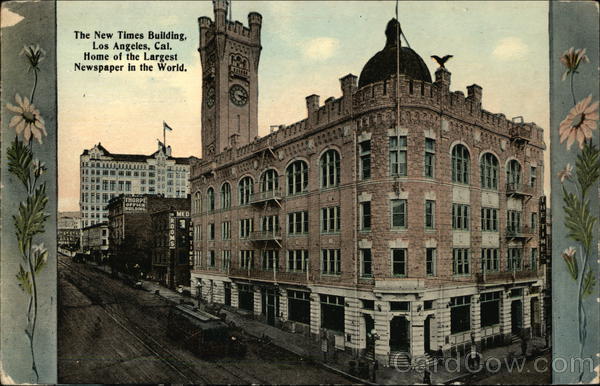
[[109, 332]]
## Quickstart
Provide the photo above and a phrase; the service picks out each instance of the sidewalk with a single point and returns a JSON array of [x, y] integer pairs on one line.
[[306, 347]]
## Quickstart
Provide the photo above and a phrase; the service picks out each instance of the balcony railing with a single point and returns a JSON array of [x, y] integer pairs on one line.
[[269, 195], [513, 188], [524, 232], [272, 235], [277, 274]]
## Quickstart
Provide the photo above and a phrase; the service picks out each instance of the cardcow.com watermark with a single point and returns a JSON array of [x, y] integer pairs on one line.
[[475, 363]]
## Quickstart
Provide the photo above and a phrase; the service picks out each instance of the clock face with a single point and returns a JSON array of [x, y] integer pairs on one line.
[[238, 95], [210, 97]]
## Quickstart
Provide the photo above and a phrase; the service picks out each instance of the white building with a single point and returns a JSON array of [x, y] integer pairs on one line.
[[104, 175]]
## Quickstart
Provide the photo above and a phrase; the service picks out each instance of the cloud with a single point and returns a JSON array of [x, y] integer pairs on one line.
[[9, 18], [320, 48], [510, 48]]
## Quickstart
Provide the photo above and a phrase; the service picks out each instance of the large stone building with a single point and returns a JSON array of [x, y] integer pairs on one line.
[[398, 217], [105, 175], [131, 234]]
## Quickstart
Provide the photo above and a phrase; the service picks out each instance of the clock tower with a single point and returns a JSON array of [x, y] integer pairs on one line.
[[229, 53]]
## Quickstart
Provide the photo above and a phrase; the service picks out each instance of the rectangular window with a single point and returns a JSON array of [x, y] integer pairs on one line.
[[330, 219], [211, 259], [514, 260], [226, 230], [270, 260], [297, 260], [399, 262], [270, 224], [211, 232], [332, 312], [460, 314], [429, 214], [226, 261], [365, 160], [398, 160], [460, 261], [246, 225], [365, 216], [430, 263], [489, 219], [533, 176], [330, 262], [490, 308], [366, 263], [460, 216], [299, 306], [399, 213], [400, 306], [534, 222], [490, 259], [298, 223], [429, 158], [246, 259], [513, 221], [534, 259]]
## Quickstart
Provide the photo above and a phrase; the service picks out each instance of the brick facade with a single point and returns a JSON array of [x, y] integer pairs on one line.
[[425, 111]]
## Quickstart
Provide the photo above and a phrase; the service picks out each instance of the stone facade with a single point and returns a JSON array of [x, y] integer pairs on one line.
[[94, 241], [373, 220]]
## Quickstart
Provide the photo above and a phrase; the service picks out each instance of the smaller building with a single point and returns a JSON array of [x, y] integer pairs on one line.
[[68, 232], [172, 243], [94, 241], [130, 229]]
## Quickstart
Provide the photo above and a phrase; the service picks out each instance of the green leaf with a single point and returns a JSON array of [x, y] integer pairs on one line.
[[19, 161], [579, 221], [40, 259], [24, 281], [588, 167], [588, 283], [31, 217]]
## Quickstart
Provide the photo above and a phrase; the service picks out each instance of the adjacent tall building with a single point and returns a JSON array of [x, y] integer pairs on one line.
[[105, 175], [399, 217]]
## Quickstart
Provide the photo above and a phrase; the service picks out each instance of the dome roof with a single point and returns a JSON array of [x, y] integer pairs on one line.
[[383, 64]]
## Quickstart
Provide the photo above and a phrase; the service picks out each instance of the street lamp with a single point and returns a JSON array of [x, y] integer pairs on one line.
[[375, 337]]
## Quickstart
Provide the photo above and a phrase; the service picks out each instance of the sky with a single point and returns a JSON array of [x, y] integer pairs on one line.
[[307, 46]]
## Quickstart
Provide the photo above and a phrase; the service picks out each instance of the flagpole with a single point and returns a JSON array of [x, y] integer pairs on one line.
[[164, 136]]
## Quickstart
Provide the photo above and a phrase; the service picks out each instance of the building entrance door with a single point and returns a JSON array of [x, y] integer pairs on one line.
[[270, 304], [516, 315], [227, 299], [369, 327], [427, 334], [399, 334]]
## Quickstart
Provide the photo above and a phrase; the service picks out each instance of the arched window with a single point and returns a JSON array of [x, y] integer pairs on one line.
[[513, 173], [210, 199], [330, 169], [489, 171], [226, 196], [197, 203], [245, 189], [297, 177], [269, 181], [460, 164]]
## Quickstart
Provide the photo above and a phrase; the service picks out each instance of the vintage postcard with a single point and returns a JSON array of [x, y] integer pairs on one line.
[[300, 192]]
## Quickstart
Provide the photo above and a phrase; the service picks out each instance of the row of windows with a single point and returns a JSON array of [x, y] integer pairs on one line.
[[331, 219], [297, 260], [112, 165], [297, 172]]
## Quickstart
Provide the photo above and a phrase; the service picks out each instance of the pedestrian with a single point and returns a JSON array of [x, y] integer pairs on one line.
[[375, 368], [426, 377]]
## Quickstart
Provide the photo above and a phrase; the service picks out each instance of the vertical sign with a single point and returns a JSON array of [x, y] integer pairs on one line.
[[171, 230]]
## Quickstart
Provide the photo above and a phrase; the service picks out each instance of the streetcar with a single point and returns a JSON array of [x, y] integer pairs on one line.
[[202, 333]]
